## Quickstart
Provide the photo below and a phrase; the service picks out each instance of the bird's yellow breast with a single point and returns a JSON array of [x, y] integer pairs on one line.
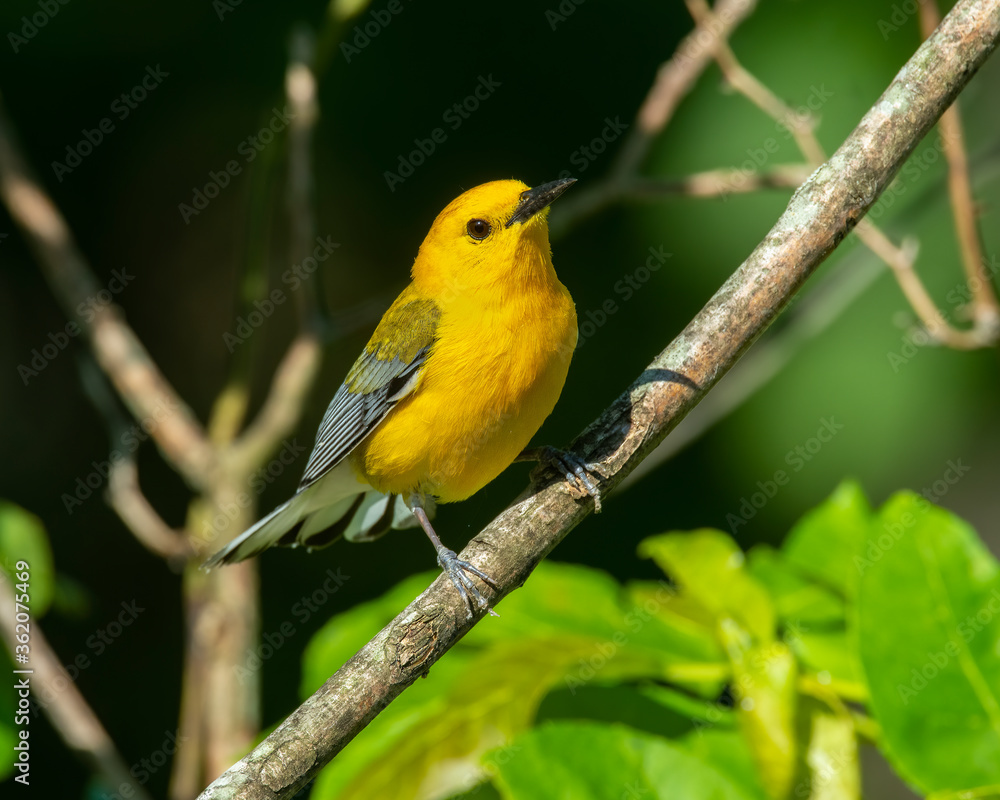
[[492, 377]]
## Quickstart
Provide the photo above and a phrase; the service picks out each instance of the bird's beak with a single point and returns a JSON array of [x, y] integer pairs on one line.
[[534, 200]]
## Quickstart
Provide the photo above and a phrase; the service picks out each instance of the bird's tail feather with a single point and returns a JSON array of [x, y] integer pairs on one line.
[[364, 516], [266, 533]]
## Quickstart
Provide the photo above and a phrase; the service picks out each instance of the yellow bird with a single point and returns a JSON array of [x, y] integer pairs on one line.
[[459, 375]]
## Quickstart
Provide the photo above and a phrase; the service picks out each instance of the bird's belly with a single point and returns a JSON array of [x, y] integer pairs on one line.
[[473, 412]]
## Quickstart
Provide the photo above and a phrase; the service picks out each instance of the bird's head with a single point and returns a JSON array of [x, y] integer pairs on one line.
[[492, 237]]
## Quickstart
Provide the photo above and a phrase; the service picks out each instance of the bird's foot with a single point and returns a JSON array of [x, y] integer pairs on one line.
[[577, 472], [458, 571]]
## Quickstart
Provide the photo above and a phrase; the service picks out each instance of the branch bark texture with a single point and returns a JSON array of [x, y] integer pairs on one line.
[[818, 217]]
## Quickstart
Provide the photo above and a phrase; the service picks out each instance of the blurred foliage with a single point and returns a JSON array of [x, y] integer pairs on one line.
[[26, 561], [733, 677]]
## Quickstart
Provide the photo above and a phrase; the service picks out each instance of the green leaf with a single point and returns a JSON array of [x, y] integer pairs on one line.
[[584, 761], [831, 755], [928, 627], [346, 633], [727, 751], [822, 545], [832, 656], [704, 714], [709, 566], [814, 622], [979, 793], [569, 628], [797, 599], [23, 539], [764, 683]]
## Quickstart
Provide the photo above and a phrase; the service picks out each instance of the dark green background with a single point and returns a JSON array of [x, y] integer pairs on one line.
[[557, 87]]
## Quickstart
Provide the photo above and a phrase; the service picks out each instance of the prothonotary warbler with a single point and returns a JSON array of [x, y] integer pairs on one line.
[[459, 375]]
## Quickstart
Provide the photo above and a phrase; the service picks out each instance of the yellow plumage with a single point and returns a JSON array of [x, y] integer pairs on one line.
[[459, 375], [506, 333]]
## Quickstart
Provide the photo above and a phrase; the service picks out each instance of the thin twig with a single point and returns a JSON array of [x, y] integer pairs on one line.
[[899, 260], [300, 89], [811, 316], [222, 608], [283, 406], [295, 375], [676, 77], [984, 310], [718, 182], [820, 214], [125, 496], [800, 126], [674, 80], [71, 717], [142, 386]]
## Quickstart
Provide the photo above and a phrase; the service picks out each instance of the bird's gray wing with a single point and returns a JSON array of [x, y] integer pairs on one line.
[[386, 372]]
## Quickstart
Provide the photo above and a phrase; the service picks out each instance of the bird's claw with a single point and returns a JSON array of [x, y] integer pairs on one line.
[[456, 570], [575, 470]]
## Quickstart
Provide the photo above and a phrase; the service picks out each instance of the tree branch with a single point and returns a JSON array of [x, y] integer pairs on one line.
[[121, 355], [985, 312], [126, 497], [820, 214], [674, 79], [65, 707]]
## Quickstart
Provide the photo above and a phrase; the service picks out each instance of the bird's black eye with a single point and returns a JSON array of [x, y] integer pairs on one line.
[[478, 229]]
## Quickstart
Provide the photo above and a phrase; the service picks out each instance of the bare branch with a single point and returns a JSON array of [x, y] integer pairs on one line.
[[899, 259], [820, 214], [745, 83], [985, 312], [65, 707], [283, 407], [127, 499], [674, 79], [222, 608], [300, 89], [677, 76], [811, 316], [718, 182], [121, 355]]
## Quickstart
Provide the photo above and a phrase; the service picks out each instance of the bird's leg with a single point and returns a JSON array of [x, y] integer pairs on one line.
[[452, 565], [574, 469]]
